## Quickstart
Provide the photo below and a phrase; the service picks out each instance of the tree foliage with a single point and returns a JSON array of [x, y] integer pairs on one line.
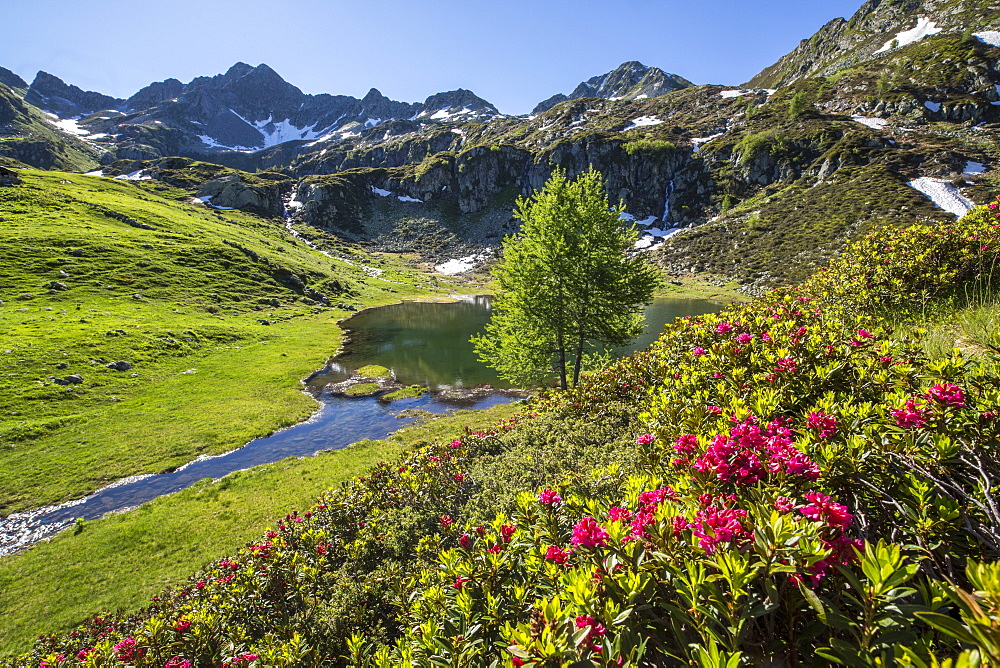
[[568, 284]]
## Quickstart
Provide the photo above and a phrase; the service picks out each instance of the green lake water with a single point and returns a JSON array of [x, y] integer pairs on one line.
[[428, 343]]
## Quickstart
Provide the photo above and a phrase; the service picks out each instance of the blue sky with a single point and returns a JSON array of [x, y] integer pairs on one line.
[[513, 53]]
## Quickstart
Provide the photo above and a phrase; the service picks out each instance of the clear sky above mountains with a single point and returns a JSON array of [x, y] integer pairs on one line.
[[513, 53]]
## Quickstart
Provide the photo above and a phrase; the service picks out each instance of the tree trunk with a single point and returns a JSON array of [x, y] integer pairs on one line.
[[579, 360], [562, 362]]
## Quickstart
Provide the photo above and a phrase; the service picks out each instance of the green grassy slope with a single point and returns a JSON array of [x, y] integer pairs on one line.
[[207, 306]]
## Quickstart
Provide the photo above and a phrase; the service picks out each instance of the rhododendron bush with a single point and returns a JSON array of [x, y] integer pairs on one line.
[[792, 482]]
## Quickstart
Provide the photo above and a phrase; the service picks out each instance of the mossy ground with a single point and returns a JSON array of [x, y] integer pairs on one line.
[[374, 371]]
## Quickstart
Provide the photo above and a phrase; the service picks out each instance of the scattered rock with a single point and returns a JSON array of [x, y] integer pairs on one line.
[[137, 296], [8, 177], [120, 365], [61, 365], [77, 252], [73, 379], [58, 285], [63, 274], [362, 385]]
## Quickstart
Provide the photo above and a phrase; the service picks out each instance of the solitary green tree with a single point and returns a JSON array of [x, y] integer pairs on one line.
[[568, 283]]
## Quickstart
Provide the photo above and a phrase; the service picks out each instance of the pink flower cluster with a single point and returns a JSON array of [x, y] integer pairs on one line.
[[825, 424], [714, 525], [548, 497], [588, 533], [127, 650], [750, 453], [649, 502], [558, 555], [822, 508], [177, 662], [947, 394], [910, 416], [593, 640]]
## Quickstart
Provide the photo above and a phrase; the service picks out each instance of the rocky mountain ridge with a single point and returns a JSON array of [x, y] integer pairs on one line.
[[761, 184], [628, 81]]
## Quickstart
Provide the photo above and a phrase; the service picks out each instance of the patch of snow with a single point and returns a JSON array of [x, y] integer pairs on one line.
[[440, 115], [380, 192], [407, 198], [991, 37], [96, 172], [462, 264], [137, 175], [646, 222], [933, 106], [873, 123], [626, 216], [974, 168], [699, 141], [641, 97], [943, 194], [924, 28], [212, 143], [733, 93], [645, 242], [207, 201], [372, 122], [770, 91], [643, 121], [458, 131]]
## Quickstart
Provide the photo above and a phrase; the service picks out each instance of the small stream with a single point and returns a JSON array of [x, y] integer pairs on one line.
[[425, 343]]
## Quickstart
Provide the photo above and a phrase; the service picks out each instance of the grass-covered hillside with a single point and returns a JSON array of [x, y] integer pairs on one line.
[[218, 313], [795, 481]]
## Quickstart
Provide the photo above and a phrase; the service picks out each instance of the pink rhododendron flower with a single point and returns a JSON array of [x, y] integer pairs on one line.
[[588, 533], [548, 497], [718, 525], [686, 443], [646, 439], [909, 417], [446, 521], [947, 394], [825, 424], [618, 514], [679, 524], [558, 555], [465, 540], [822, 508], [177, 662], [723, 328], [744, 338], [787, 364], [698, 350], [766, 337], [783, 504], [126, 650], [865, 334], [506, 531], [597, 631], [460, 583]]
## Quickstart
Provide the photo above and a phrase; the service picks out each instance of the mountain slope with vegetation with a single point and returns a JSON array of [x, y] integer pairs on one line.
[[791, 478]]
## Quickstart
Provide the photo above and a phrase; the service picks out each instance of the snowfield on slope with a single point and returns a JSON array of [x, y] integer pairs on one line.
[[943, 194], [925, 27]]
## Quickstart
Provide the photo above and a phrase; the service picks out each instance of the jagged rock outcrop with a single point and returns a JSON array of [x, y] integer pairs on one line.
[[628, 81], [233, 192], [52, 94]]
